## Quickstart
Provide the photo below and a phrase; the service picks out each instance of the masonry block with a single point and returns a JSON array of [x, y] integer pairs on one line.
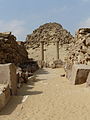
[[79, 73], [8, 76]]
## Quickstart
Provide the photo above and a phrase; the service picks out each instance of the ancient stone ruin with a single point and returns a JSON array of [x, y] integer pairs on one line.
[[48, 46], [79, 53], [49, 43], [12, 51], [15, 66], [45, 42]]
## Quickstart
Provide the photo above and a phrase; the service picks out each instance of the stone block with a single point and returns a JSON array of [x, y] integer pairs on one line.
[[8, 76], [79, 73]]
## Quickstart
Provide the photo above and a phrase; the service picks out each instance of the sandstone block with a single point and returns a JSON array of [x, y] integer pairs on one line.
[[79, 73], [8, 76]]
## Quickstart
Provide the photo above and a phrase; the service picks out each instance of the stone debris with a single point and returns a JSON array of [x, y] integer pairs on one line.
[[50, 37], [11, 51], [48, 32], [25, 71], [63, 75], [58, 63], [79, 51]]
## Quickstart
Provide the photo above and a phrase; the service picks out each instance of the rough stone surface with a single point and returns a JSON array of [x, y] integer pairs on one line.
[[8, 76], [49, 33], [79, 49], [79, 73], [11, 51]]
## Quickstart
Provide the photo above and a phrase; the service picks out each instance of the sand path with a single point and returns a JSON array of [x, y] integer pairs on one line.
[[51, 97]]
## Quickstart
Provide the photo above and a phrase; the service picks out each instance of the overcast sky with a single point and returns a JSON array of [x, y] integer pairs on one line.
[[23, 16]]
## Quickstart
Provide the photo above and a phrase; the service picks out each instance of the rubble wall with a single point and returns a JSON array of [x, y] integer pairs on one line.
[[11, 51], [49, 33], [79, 50]]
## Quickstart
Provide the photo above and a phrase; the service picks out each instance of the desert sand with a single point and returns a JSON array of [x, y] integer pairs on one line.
[[49, 97]]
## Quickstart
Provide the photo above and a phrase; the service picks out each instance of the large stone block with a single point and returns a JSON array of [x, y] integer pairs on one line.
[[8, 76], [79, 73]]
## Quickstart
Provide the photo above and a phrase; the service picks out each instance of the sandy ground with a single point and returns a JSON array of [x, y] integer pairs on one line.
[[50, 97]]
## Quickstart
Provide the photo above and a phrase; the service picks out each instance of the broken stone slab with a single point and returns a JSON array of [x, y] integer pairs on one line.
[[8, 76], [88, 80], [79, 73]]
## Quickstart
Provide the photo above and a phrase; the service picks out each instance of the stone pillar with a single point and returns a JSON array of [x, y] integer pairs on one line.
[[57, 50], [42, 50]]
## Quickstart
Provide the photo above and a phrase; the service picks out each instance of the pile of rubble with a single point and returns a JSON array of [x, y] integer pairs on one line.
[[57, 64], [79, 50], [12, 51], [79, 53], [48, 32]]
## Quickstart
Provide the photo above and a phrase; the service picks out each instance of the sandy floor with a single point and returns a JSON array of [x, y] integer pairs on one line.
[[49, 98]]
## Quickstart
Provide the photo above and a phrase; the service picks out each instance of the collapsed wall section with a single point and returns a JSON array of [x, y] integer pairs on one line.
[[11, 51]]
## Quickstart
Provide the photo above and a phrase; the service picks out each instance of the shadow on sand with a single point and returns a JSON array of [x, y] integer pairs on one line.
[[25, 90], [41, 71]]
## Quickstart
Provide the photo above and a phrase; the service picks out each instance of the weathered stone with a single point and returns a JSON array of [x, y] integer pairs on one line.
[[58, 63], [53, 66], [54, 36], [12, 51], [8, 76], [79, 73], [4, 95], [88, 41], [88, 80], [82, 45]]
